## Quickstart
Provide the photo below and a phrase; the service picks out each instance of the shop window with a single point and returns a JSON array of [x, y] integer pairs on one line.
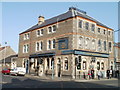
[[84, 65], [48, 63], [52, 63], [66, 64], [98, 65], [102, 66], [79, 63]]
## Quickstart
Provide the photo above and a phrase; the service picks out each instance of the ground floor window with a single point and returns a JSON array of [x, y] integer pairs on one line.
[[52, 63], [84, 65], [98, 65], [102, 66], [66, 64], [48, 63]]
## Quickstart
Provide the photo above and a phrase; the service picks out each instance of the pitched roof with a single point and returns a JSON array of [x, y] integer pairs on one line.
[[71, 13]]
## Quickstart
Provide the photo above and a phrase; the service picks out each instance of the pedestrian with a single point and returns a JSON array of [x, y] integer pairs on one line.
[[92, 73], [108, 74], [89, 74], [84, 76], [99, 74]]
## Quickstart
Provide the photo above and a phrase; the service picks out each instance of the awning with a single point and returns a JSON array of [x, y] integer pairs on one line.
[[42, 55]]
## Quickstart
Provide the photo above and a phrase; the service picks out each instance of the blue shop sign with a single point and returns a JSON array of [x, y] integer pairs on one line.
[[63, 43], [91, 54]]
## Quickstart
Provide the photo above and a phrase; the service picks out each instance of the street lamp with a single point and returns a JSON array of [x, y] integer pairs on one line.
[[114, 49]]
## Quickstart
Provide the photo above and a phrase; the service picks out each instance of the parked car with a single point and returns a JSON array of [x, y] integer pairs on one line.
[[6, 71], [18, 71]]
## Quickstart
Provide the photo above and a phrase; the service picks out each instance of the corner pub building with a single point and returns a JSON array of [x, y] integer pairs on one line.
[[67, 45]]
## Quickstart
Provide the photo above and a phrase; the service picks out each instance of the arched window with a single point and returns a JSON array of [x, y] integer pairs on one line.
[[98, 65], [99, 45], [52, 63], [80, 42], [110, 46], [66, 64], [84, 65], [80, 23], [104, 45], [102, 66], [87, 43], [93, 44]]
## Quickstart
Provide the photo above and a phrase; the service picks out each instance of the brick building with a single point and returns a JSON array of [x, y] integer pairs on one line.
[[67, 45]]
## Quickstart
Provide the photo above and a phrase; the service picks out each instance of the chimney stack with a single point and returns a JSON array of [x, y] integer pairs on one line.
[[41, 19]]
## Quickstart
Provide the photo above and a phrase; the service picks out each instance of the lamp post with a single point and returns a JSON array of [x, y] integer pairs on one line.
[[115, 50]]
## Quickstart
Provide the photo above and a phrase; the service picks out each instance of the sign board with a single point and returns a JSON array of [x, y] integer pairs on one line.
[[63, 43]]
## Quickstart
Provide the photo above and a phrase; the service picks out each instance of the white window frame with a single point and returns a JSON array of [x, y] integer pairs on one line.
[[26, 48], [39, 45], [65, 59]]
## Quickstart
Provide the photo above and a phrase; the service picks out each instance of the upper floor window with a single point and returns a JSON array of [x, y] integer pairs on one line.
[[86, 25], [110, 46], [25, 48], [99, 30], [39, 46], [87, 43], [104, 31], [39, 32], [50, 29], [49, 44], [93, 27], [80, 23], [80, 42], [99, 45], [26, 36], [53, 43], [109, 33], [104, 45], [93, 44], [54, 28]]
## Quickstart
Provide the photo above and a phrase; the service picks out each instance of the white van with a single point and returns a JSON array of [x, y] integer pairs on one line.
[[18, 71]]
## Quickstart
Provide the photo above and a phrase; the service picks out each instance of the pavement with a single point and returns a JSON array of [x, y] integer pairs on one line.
[[66, 79]]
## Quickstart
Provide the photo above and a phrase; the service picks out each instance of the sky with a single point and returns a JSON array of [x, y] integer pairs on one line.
[[19, 16]]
